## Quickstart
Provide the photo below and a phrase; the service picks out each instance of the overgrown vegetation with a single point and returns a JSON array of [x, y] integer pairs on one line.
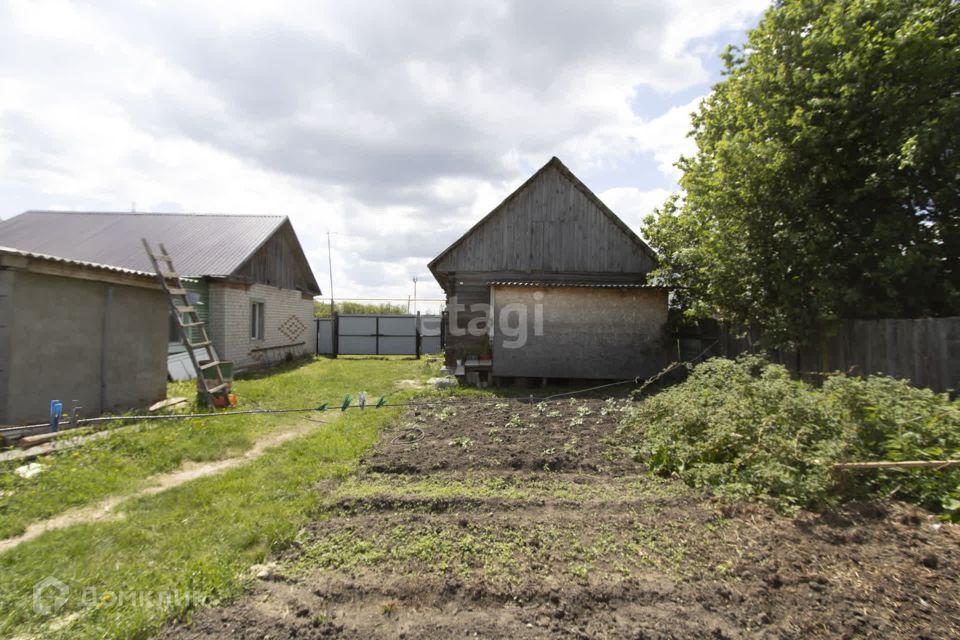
[[746, 428]]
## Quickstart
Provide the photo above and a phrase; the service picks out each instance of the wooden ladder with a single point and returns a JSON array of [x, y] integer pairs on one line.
[[202, 353]]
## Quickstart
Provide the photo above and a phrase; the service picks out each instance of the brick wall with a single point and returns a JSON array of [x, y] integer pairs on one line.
[[288, 320]]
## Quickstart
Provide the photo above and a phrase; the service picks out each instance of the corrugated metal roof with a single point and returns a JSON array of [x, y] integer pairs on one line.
[[583, 285], [201, 244], [9, 251]]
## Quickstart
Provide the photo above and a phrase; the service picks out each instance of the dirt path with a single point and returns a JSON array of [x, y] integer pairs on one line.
[[107, 509], [522, 521]]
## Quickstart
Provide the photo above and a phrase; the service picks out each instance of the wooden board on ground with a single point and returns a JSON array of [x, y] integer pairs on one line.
[[169, 402]]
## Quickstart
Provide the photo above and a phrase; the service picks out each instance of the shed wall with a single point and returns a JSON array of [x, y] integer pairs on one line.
[[6, 327], [471, 290], [60, 330], [586, 333]]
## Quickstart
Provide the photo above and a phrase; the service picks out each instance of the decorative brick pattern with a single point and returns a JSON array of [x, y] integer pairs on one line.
[[285, 311], [293, 328]]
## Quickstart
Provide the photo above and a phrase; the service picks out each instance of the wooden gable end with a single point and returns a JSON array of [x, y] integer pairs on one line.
[[551, 224], [280, 262]]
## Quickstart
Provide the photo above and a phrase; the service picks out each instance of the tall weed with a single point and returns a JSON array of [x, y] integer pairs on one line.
[[745, 427]]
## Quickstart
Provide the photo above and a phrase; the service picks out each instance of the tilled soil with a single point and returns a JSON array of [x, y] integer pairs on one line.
[[522, 520]]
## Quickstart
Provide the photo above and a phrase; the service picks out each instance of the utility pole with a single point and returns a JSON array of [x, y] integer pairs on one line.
[[330, 265], [414, 295]]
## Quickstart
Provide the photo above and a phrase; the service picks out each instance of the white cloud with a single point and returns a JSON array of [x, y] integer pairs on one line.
[[632, 204], [395, 125], [666, 136]]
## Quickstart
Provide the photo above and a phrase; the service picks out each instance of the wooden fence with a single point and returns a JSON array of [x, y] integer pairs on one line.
[[925, 351]]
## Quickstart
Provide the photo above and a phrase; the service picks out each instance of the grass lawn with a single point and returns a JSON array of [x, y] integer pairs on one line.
[[194, 543], [121, 463]]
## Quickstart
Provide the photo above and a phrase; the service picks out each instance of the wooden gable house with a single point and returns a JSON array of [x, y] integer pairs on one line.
[[554, 263]]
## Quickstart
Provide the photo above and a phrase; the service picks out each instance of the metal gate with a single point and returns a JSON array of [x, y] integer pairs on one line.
[[377, 335], [370, 334], [431, 334]]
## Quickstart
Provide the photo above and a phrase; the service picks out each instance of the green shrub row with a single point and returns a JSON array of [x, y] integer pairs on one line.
[[745, 427]]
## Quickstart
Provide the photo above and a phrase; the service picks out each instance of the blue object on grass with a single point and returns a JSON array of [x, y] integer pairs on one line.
[[56, 410]]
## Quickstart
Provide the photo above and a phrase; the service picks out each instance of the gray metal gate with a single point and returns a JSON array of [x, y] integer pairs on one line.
[[376, 335], [325, 341], [372, 334], [431, 334]]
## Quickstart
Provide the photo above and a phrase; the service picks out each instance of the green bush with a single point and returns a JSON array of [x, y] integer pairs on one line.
[[891, 420], [745, 427]]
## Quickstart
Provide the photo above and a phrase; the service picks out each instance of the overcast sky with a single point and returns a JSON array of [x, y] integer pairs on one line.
[[395, 124]]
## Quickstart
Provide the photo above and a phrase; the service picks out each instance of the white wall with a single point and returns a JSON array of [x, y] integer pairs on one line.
[[288, 320]]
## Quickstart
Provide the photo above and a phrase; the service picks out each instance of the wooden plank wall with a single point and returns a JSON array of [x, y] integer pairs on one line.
[[550, 227], [466, 289], [925, 351], [276, 264]]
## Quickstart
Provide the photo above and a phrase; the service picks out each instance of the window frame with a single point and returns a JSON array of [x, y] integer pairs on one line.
[[258, 312]]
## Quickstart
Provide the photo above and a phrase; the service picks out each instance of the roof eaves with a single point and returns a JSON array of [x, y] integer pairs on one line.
[[577, 183], [133, 274], [578, 285], [263, 241], [430, 265], [76, 263]]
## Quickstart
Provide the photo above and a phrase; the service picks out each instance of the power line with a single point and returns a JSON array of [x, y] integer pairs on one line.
[[347, 403], [388, 299]]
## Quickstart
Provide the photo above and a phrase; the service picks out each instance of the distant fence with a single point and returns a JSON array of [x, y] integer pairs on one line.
[[925, 351], [379, 334]]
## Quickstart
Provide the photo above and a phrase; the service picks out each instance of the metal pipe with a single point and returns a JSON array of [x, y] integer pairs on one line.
[[440, 401], [330, 266]]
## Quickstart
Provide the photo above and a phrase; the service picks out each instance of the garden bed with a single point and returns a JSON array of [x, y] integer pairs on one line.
[[511, 518]]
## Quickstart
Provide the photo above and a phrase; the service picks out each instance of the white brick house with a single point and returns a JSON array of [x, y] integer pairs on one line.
[[248, 275], [287, 324]]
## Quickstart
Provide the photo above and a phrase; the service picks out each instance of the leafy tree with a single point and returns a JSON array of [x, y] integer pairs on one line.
[[322, 309], [826, 184]]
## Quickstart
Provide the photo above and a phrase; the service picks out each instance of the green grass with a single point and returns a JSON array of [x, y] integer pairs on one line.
[[192, 545], [507, 554], [510, 488], [121, 463]]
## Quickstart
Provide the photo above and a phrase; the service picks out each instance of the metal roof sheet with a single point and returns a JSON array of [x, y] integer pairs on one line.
[[9, 251], [583, 285], [200, 244]]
